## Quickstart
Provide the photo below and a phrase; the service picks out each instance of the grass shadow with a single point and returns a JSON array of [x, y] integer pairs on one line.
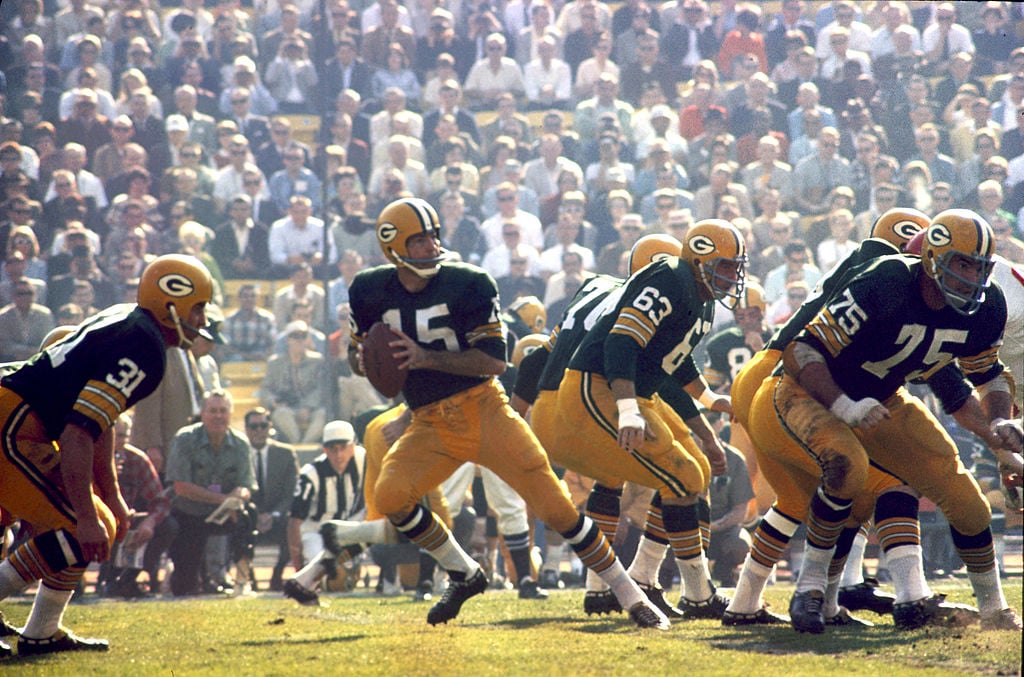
[[305, 640]]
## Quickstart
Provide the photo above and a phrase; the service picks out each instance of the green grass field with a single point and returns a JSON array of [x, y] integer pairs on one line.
[[496, 634]]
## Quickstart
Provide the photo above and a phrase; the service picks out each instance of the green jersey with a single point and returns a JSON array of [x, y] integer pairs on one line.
[[458, 310], [646, 330]]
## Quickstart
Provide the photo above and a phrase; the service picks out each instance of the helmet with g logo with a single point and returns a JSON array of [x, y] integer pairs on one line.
[[531, 312], [171, 286], [652, 248], [956, 252], [898, 226], [525, 346], [753, 297], [399, 221], [707, 245]]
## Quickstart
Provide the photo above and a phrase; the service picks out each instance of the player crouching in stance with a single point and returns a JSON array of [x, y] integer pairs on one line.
[[448, 336], [57, 414], [901, 319]]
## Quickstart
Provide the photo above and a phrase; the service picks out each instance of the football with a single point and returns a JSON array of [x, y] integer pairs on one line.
[[379, 362]]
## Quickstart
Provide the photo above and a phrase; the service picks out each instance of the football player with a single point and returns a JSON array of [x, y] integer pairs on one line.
[[728, 351], [890, 233], [846, 407], [611, 428], [449, 337], [57, 467], [538, 385]]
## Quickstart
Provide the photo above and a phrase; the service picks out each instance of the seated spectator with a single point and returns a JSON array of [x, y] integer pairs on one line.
[[299, 238], [493, 76], [249, 329], [562, 285], [797, 267], [152, 530], [293, 388], [547, 79], [566, 231], [202, 486], [302, 287], [291, 78], [13, 273], [519, 281], [295, 179], [396, 74], [630, 227], [707, 199], [815, 175], [23, 323], [837, 247]]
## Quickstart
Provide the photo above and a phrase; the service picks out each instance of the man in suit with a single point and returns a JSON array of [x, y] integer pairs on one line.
[[277, 470], [240, 247], [253, 127], [788, 20], [357, 152], [450, 94], [690, 39], [173, 405], [345, 71], [201, 127]]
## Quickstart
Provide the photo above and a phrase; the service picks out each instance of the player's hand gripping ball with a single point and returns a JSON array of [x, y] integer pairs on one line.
[[379, 362]]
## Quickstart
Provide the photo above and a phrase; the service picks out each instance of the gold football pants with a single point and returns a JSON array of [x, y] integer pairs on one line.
[[475, 426]]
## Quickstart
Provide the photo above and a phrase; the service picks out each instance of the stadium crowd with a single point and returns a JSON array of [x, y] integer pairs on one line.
[[265, 138]]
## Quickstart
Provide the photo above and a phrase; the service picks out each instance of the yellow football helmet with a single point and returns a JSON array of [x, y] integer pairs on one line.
[[952, 236], [753, 297], [531, 311], [651, 248], [525, 346], [899, 225], [399, 221], [171, 286], [707, 245]]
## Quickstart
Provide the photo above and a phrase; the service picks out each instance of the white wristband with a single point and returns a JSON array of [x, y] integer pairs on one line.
[[707, 398], [629, 413], [845, 410]]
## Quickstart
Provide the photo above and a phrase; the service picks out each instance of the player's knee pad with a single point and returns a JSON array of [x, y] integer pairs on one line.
[[391, 498], [967, 512]]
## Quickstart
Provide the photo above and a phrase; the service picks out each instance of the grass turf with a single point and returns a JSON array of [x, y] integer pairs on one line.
[[496, 634]]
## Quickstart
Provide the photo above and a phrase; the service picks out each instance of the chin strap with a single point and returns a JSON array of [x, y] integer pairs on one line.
[[183, 341]]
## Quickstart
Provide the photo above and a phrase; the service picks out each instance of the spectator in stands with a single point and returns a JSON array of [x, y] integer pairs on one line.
[[382, 125], [744, 39], [797, 267], [249, 330], [507, 195], [508, 123], [24, 323], [293, 388], [606, 100], [294, 180], [630, 227], [498, 259], [815, 175], [240, 243], [377, 40], [460, 230], [519, 281], [547, 80], [291, 78], [942, 38]]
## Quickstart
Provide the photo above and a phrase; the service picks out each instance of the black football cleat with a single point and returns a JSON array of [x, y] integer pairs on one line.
[[647, 616], [713, 607], [454, 596], [601, 602], [805, 612], [934, 610], [656, 595], [301, 594], [64, 640], [760, 617], [866, 596], [844, 619], [529, 589]]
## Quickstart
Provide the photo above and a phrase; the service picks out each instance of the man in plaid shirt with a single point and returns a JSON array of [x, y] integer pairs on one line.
[[249, 330], [144, 494]]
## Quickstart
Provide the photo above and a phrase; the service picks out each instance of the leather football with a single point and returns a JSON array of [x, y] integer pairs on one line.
[[379, 361]]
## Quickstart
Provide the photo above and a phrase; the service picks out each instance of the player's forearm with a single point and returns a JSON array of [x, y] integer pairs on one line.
[[194, 492], [733, 518], [809, 369], [472, 362]]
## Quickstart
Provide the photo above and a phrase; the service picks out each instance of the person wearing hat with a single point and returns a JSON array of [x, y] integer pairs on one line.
[[329, 488], [293, 388]]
